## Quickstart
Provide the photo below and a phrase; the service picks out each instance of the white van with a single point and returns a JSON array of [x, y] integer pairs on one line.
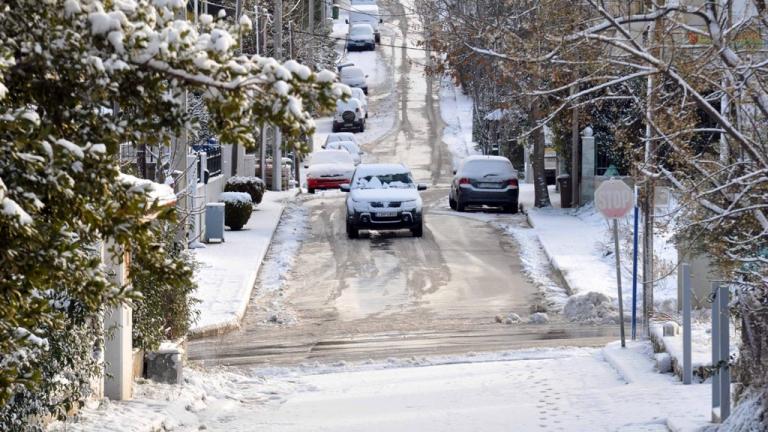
[[366, 14]]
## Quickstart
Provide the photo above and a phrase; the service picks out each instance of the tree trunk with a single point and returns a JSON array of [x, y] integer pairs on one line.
[[541, 193], [751, 410]]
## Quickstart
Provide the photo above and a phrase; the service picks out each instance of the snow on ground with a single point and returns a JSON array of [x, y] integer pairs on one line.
[[456, 112], [293, 229], [564, 389], [228, 270]]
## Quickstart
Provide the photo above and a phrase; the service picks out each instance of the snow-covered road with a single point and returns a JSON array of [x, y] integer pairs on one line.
[[388, 294]]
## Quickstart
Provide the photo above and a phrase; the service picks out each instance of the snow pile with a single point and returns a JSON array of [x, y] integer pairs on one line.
[[538, 318], [511, 318], [592, 307], [537, 266], [292, 231]]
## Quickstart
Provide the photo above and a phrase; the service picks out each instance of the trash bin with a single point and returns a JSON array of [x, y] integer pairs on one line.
[[564, 181], [335, 11]]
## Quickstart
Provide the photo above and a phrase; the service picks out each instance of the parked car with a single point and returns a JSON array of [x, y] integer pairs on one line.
[[348, 146], [340, 136], [329, 169], [349, 116], [383, 197], [489, 180], [366, 14], [353, 76], [361, 38], [360, 95]]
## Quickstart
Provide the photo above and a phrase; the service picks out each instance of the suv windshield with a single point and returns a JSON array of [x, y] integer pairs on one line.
[[382, 181]]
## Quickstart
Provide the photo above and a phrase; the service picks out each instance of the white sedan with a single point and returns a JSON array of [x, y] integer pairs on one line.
[[348, 146]]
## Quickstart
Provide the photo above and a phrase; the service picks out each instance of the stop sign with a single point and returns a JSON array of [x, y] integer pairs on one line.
[[613, 198]]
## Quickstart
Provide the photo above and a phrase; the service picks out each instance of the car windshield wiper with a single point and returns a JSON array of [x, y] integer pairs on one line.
[[491, 174]]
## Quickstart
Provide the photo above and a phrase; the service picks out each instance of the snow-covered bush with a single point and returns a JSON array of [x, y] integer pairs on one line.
[[253, 186], [86, 77], [237, 209]]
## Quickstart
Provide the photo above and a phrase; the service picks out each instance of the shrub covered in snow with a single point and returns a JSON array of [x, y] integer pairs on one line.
[[237, 209], [538, 318], [253, 186]]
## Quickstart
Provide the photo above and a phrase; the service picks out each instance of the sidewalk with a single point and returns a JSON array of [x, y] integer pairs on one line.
[[558, 389], [228, 270]]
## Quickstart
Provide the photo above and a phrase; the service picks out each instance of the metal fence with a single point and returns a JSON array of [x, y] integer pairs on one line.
[[212, 162]]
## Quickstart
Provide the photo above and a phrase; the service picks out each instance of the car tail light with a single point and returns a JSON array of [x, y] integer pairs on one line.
[[463, 180], [513, 182]]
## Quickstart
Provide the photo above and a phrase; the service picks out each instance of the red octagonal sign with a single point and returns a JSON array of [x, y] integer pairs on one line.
[[613, 198]]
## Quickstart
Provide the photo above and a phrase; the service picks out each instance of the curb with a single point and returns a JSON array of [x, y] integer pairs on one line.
[[234, 324], [558, 273]]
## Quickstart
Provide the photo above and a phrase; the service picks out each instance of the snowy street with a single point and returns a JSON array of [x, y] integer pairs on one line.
[[389, 293], [305, 327]]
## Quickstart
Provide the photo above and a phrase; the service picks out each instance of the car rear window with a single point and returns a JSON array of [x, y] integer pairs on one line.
[[481, 168], [361, 31]]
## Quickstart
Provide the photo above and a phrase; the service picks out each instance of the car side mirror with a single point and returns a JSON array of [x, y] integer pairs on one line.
[[346, 21], [421, 187], [306, 165], [454, 172], [344, 187], [381, 21]]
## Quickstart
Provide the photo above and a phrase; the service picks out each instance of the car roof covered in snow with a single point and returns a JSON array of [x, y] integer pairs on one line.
[[376, 169], [485, 157]]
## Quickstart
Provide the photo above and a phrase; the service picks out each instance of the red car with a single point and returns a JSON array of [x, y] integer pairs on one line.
[[329, 169]]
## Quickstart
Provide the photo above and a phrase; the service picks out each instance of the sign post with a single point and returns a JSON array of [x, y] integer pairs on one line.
[[614, 199]]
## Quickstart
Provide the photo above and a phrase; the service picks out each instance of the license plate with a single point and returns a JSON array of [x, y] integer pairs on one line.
[[488, 185], [386, 214]]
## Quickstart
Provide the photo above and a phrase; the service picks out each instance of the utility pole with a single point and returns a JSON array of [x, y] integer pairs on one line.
[[575, 162], [648, 198], [235, 147], [311, 18], [277, 157]]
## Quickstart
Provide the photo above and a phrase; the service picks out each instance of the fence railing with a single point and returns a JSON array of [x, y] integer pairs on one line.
[[212, 162]]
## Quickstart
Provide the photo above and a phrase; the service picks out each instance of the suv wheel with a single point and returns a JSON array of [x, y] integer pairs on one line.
[[352, 231], [418, 230], [452, 202]]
